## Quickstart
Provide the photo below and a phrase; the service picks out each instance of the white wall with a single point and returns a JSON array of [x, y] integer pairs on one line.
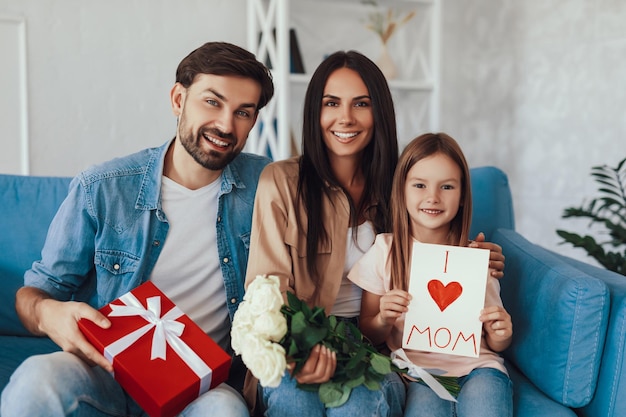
[[535, 87], [100, 73], [538, 88]]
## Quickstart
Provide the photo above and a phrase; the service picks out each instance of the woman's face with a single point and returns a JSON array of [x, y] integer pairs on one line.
[[346, 119]]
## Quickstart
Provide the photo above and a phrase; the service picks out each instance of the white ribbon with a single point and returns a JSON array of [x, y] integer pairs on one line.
[[167, 331], [399, 358]]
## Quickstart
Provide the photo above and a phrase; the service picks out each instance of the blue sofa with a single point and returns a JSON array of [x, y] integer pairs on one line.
[[569, 317], [27, 205]]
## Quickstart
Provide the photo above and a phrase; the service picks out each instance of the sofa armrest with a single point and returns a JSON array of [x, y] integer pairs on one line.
[[560, 317], [610, 395]]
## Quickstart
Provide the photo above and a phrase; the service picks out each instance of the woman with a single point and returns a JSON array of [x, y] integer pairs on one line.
[[315, 215]]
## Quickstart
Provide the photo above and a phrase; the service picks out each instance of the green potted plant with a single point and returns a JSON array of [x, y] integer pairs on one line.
[[609, 211]]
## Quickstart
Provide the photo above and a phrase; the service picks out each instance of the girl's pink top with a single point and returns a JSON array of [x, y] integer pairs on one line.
[[372, 273]]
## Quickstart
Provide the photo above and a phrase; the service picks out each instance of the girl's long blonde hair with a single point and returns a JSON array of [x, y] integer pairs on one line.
[[419, 148]]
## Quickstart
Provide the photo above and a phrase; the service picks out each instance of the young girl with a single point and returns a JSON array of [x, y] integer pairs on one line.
[[431, 203]]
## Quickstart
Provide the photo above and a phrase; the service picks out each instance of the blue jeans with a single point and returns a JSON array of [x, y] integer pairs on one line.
[[288, 400], [61, 384], [485, 392]]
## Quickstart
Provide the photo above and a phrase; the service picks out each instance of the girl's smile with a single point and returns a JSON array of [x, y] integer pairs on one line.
[[433, 197]]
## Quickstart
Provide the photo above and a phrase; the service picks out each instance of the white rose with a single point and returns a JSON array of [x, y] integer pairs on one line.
[[271, 325], [266, 360], [263, 294], [243, 323], [244, 316]]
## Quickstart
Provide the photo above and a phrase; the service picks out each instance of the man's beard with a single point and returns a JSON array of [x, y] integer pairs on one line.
[[213, 160]]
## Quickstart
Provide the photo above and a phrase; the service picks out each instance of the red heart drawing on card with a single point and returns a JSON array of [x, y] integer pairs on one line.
[[444, 295]]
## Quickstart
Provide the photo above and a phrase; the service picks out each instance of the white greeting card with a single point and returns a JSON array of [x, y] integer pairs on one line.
[[448, 287]]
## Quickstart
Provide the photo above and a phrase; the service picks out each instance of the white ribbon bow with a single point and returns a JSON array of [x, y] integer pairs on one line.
[[167, 332], [399, 358]]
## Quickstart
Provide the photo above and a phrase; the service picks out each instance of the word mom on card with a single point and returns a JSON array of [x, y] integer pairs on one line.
[[448, 287]]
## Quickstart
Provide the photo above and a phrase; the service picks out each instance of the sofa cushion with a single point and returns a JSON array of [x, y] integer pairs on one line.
[[27, 206], [528, 401], [491, 201], [560, 317]]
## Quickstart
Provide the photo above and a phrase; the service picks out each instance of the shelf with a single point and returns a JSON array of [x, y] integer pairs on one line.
[[323, 27], [393, 84]]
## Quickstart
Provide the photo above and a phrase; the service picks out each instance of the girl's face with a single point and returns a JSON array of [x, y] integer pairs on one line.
[[433, 197], [346, 119]]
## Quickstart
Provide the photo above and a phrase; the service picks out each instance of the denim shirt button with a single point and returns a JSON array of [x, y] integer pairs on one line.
[[156, 243], [225, 260], [116, 267], [233, 300], [219, 219]]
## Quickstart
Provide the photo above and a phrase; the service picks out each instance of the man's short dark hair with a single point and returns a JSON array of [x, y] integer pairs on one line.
[[222, 58]]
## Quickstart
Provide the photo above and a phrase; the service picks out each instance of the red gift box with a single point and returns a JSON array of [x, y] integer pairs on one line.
[[160, 356]]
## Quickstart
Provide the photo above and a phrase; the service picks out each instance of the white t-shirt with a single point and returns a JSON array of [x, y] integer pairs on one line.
[[188, 269], [348, 302]]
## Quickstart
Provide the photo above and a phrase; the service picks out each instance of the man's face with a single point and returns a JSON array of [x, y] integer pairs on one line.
[[216, 113]]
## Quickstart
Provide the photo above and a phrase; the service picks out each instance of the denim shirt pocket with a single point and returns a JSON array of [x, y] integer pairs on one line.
[[116, 263], [245, 239]]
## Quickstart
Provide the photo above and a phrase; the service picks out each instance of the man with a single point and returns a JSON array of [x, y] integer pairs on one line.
[[178, 215]]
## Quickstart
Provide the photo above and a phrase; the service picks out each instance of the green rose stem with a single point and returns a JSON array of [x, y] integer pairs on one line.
[[358, 361]]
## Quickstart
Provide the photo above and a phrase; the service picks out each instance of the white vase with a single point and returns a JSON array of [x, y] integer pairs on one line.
[[386, 64]]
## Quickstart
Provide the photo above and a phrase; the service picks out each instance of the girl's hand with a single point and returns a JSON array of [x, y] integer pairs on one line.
[[496, 257], [392, 305], [320, 366], [498, 327]]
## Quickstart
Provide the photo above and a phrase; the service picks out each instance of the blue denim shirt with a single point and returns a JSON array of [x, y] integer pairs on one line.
[[108, 233]]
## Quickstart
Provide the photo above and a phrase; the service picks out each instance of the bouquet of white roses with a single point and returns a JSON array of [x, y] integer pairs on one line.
[[268, 335], [257, 328]]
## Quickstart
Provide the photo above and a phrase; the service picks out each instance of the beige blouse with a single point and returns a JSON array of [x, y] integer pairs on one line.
[[278, 244]]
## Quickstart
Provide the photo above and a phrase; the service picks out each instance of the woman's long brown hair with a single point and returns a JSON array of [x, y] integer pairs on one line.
[[379, 157]]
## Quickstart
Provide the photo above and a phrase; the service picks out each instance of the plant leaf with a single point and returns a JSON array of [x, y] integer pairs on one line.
[[610, 191], [353, 383], [298, 325], [333, 394], [358, 357], [372, 385], [599, 175], [381, 364], [309, 387], [313, 336], [294, 302]]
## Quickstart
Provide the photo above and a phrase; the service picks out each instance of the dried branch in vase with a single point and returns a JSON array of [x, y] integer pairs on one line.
[[386, 23]]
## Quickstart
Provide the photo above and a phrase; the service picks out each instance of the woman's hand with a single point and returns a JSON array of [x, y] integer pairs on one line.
[[319, 367], [496, 257]]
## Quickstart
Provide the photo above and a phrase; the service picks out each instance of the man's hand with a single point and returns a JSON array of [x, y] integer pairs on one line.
[[496, 257], [58, 320]]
